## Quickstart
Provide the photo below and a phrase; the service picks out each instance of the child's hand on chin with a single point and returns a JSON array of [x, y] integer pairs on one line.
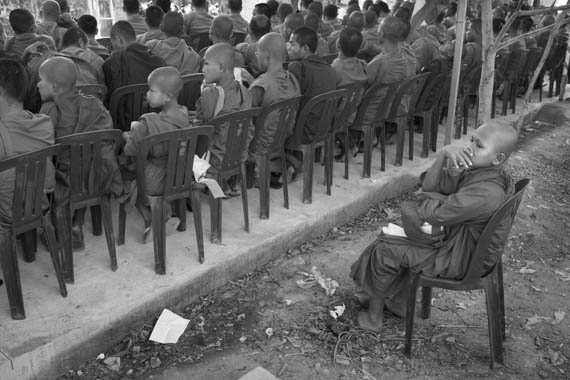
[[458, 157]]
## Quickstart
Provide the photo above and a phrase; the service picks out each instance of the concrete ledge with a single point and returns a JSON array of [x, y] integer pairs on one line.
[[60, 333]]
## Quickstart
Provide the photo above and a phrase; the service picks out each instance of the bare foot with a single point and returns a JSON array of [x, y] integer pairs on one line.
[[366, 322], [396, 308]]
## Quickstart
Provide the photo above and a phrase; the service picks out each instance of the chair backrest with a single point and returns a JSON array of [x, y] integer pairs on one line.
[[97, 90], [329, 58], [328, 103], [445, 91], [431, 93], [127, 104], [508, 209], [348, 108], [180, 162], [501, 65], [376, 99], [84, 152], [191, 90], [514, 66], [237, 38], [408, 92], [469, 81], [200, 41], [106, 42], [532, 59], [273, 125], [29, 173], [238, 126]]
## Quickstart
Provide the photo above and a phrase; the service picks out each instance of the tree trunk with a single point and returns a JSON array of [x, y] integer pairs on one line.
[[488, 66]]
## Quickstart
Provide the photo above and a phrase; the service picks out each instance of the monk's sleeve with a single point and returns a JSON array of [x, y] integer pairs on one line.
[[139, 131], [474, 202], [257, 93]]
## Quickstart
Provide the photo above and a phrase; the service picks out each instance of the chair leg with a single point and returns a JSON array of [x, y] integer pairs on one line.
[[506, 97], [122, 224], [216, 219], [158, 233], [49, 232], [308, 163], [514, 90], [11, 272], [501, 298], [30, 245], [399, 142], [426, 302], [263, 168], [425, 121], [197, 213], [63, 217], [328, 148], [284, 178], [108, 226], [434, 130], [96, 220], [367, 160], [244, 198], [346, 152], [412, 286], [382, 135], [494, 320], [466, 113]]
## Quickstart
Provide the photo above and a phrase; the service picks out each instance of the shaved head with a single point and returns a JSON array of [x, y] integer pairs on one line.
[[60, 71], [50, 10], [294, 21], [274, 44], [501, 135], [124, 31], [392, 28], [356, 20], [222, 53], [222, 28], [168, 79]]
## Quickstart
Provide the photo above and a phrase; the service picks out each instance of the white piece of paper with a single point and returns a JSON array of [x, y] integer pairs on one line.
[[168, 328], [394, 230], [200, 168]]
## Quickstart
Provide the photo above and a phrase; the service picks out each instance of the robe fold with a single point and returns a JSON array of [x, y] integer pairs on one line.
[[176, 54]]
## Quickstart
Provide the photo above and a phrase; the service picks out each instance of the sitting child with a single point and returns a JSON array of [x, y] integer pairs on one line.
[[72, 113], [331, 17], [132, 9], [165, 84], [221, 94], [283, 10], [199, 20], [153, 18], [312, 21], [88, 24], [370, 32], [23, 25], [20, 132], [258, 27], [349, 69], [324, 29], [173, 49], [50, 12], [461, 191], [221, 32], [292, 22], [239, 23]]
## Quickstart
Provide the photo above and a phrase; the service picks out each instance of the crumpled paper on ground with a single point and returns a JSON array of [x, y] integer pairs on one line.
[[200, 168], [168, 328], [314, 278]]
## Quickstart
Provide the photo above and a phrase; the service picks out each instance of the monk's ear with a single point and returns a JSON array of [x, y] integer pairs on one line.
[[500, 158]]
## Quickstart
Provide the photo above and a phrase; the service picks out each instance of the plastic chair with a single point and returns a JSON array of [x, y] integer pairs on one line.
[[376, 99], [328, 103], [127, 104], [409, 91], [190, 90], [237, 125], [469, 89], [97, 90], [106, 42], [502, 61], [530, 66], [200, 41], [28, 214], [426, 109], [179, 185], [85, 154], [491, 282], [554, 66], [237, 38], [269, 143], [329, 58], [514, 69], [347, 110]]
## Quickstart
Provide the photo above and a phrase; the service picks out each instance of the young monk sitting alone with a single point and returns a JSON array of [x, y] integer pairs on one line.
[[72, 113], [461, 191], [164, 84], [221, 94]]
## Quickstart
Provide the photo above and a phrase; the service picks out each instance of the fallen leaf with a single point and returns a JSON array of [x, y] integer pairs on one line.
[[242, 339], [555, 357], [450, 339], [527, 270], [565, 275], [155, 362], [269, 332], [558, 317], [113, 363], [534, 320], [338, 311], [461, 305], [535, 288]]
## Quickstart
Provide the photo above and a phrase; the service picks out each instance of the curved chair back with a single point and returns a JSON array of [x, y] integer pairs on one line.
[[190, 90], [501, 65], [237, 127], [431, 93], [83, 153], [127, 104], [237, 38], [200, 41], [106, 42], [97, 90], [329, 58], [181, 147], [350, 103], [514, 67], [377, 97], [407, 94], [327, 103], [273, 125], [503, 218]]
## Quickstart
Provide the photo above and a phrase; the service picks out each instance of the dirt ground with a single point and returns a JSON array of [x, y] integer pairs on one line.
[[266, 319]]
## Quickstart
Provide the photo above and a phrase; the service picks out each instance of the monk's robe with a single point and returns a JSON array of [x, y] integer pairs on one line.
[[22, 133], [89, 57], [239, 23], [463, 204], [97, 48], [322, 47], [197, 22], [325, 29], [267, 89], [349, 70], [18, 44], [367, 48], [129, 66], [217, 101], [315, 77], [73, 113], [151, 124], [176, 54], [50, 28], [138, 24], [426, 49], [154, 34], [249, 58], [371, 35]]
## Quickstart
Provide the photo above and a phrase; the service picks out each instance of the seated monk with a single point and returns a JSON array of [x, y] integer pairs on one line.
[[221, 33], [221, 94], [23, 25], [88, 24], [173, 49], [258, 27], [313, 21], [50, 13], [89, 65], [72, 113], [165, 84], [460, 193], [153, 18]]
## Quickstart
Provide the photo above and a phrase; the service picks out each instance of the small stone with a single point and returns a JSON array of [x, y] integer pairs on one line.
[[155, 362], [79, 373], [129, 372], [136, 348]]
